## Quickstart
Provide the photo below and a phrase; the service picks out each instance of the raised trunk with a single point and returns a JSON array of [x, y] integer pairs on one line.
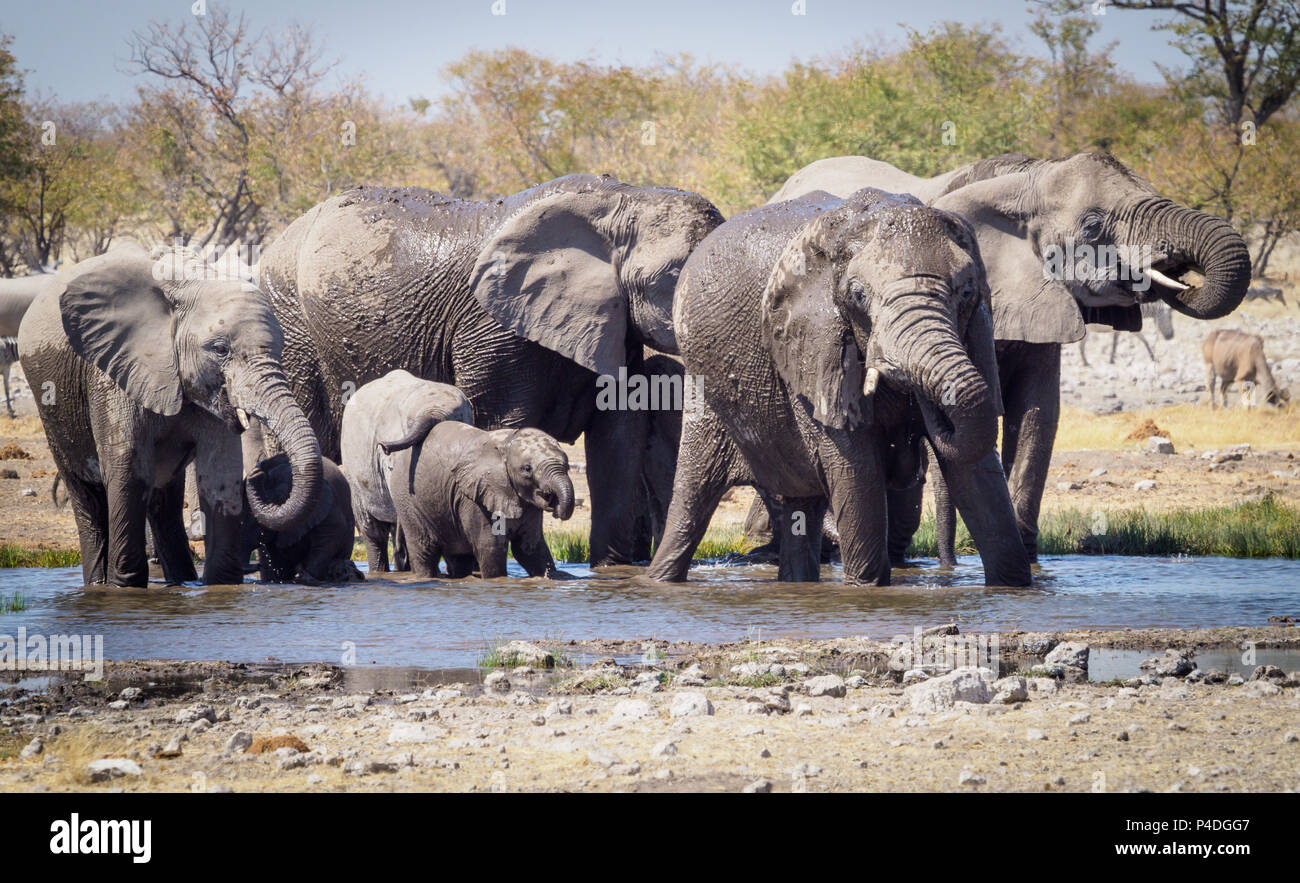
[[1185, 239], [263, 393]]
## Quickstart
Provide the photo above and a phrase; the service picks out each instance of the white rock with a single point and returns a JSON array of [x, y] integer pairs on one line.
[[1072, 653], [939, 694], [759, 786], [826, 685], [666, 748], [1158, 445], [1012, 689], [968, 777], [404, 734], [690, 705], [632, 710], [112, 768], [1260, 689], [1145, 484], [497, 682]]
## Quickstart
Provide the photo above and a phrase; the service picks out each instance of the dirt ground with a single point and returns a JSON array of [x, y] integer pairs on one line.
[[834, 718]]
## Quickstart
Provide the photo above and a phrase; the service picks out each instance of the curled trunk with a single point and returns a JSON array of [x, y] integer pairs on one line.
[[1186, 239], [264, 394], [557, 487]]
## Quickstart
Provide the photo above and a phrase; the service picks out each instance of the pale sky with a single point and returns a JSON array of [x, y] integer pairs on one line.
[[77, 51]]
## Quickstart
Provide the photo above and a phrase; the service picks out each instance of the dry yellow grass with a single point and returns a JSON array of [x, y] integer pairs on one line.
[[28, 427], [76, 747], [1189, 426]]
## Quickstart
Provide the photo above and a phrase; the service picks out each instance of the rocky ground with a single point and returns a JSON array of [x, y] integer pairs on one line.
[[1176, 374], [842, 715]]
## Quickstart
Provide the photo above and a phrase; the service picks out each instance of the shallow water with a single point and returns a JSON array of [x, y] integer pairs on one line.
[[437, 624]]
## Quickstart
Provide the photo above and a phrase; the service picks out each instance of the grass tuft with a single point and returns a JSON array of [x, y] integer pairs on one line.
[[1260, 529], [19, 556], [16, 604], [570, 546]]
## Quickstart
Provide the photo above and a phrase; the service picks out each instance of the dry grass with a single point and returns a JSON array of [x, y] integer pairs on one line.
[[1189, 426], [77, 747], [28, 427]]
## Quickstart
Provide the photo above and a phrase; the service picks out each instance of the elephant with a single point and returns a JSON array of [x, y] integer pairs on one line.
[[317, 551], [16, 295], [380, 419], [1233, 356], [1066, 242], [465, 493], [521, 302], [830, 337], [151, 365]]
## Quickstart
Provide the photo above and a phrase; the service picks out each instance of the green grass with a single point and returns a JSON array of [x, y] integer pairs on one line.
[[1263, 529], [17, 556], [16, 604], [570, 546]]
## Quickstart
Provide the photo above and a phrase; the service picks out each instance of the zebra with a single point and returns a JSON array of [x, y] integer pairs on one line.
[[8, 355]]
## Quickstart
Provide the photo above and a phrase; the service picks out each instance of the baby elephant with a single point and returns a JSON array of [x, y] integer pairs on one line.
[[382, 418], [1237, 357], [466, 494], [320, 551]]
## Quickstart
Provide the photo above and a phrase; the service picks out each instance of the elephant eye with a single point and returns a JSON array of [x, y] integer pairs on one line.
[[1092, 227], [220, 346], [526, 469]]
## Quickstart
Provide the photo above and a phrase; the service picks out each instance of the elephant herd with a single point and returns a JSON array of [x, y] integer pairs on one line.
[[863, 326]]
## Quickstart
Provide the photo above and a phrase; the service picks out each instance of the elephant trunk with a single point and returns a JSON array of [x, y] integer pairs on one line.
[[555, 486], [1201, 242], [960, 414], [263, 392]]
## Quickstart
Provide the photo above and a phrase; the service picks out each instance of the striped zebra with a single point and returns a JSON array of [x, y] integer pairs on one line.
[[8, 355]]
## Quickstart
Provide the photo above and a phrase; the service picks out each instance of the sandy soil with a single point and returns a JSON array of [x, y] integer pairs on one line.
[[189, 726]]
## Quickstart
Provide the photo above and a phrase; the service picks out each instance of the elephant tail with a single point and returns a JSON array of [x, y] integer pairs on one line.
[[59, 502], [423, 424]]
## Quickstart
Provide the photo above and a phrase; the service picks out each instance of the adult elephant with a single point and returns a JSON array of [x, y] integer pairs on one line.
[[16, 295], [151, 365], [830, 337], [521, 303], [1066, 242]]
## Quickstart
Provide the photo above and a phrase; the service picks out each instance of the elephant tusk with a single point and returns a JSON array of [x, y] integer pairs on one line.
[[870, 381], [243, 417], [1164, 280]]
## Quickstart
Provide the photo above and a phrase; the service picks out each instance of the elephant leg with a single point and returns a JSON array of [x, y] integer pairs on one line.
[[491, 551], [128, 500], [904, 505], [945, 521], [532, 553], [90, 509], [854, 473], [1031, 395], [401, 560], [8, 404], [799, 523], [706, 468], [460, 566], [172, 543], [425, 555], [375, 534], [980, 492], [218, 473], [615, 443]]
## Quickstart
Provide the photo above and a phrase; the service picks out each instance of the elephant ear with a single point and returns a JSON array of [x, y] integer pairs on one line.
[[118, 318], [1027, 304], [811, 345], [484, 480], [548, 275]]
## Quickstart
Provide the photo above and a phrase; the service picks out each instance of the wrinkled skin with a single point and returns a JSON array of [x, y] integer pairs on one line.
[[1233, 356], [1023, 211], [146, 376], [832, 336], [320, 550], [520, 303], [471, 496], [383, 418], [16, 295]]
